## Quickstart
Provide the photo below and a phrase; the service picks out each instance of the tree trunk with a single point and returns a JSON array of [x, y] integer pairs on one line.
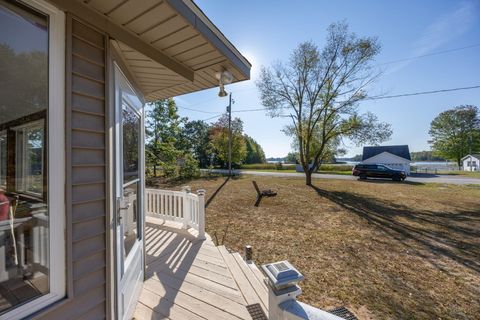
[[308, 177]]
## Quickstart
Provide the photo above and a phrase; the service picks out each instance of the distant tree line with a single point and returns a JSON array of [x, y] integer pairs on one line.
[[177, 147], [425, 156]]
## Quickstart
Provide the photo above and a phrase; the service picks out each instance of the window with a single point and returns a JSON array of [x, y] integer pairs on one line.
[[32, 246]]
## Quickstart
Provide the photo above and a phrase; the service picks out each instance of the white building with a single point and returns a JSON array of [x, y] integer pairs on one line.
[[395, 157], [471, 162]]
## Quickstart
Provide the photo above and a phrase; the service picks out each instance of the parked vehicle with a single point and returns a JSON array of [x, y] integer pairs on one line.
[[364, 171]]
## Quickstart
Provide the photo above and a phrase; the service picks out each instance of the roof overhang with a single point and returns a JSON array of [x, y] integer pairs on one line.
[[170, 47]]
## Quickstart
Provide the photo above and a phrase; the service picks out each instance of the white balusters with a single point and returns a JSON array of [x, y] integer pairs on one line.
[[180, 206]]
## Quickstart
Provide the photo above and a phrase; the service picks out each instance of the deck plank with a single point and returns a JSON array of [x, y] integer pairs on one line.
[[186, 301], [144, 312], [185, 266], [257, 286], [207, 284], [258, 273], [188, 257], [164, 307], [192, 279], [200, 293], [242, 282]]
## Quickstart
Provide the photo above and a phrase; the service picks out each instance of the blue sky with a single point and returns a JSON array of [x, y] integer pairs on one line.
[[266, 31]]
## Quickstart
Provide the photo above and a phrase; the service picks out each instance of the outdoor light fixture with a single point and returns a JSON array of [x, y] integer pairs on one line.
[[282, 275], [224, 77]]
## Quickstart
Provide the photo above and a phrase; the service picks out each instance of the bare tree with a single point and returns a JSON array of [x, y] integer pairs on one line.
[[321, 91]]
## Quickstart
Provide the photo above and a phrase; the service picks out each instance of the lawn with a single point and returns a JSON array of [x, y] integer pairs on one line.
[[384, 250]]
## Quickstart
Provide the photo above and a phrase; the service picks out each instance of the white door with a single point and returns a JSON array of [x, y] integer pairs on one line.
[[129, 189]]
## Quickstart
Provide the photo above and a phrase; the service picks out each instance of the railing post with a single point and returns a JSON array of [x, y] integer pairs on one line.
[[282, 282], [186, 216], [201, 213]]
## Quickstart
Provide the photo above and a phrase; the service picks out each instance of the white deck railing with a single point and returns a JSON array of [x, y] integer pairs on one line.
[[179, 206]]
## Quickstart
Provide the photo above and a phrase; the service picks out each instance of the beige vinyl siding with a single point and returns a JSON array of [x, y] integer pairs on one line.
[[86, 176]]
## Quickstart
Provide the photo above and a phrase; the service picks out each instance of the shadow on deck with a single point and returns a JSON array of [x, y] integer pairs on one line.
[[187, 278]]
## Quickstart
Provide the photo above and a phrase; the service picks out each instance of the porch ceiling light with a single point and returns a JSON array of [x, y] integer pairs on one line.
[[224, 77]]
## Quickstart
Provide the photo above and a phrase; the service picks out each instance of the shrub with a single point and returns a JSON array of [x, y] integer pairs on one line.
[[169, 171], [267, 166], [336, 167], [189, 169]]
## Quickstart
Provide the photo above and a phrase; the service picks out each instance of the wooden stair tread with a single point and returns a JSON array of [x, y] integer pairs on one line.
[[258, 273], [259, 288], [243, 283]]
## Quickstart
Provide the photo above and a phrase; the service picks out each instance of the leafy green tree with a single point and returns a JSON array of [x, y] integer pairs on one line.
[[456, 132], [321, 91], [425, 156], [165, 146], [197, 141], [357, 157], [255, 153], [189, 168], [219, 140], [162, 128], [27, 96], [291, 157]]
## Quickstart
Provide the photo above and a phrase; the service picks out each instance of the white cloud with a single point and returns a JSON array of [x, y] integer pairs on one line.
[[444, 30]]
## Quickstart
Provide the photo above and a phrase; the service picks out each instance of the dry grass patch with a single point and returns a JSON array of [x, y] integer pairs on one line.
[[385, 250]]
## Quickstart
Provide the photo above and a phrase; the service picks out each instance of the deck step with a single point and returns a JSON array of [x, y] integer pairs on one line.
[[257, 272], [249, 285], [258, 286]]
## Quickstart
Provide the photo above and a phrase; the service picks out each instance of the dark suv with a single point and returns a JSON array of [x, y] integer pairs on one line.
[[378, 171]]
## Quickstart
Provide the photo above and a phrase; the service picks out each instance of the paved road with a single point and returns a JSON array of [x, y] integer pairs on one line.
[[421, 178]]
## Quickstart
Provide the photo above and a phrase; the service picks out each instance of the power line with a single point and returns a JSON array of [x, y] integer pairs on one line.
[[248, 110], [197, 110], [384, 97], [373, 98], [218, 115], [430, 54], [421, 93]]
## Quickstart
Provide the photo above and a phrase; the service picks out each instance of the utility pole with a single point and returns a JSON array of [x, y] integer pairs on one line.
[[229, 110]]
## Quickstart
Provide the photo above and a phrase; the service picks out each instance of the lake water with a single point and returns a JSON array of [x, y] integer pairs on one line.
[[422, 165]]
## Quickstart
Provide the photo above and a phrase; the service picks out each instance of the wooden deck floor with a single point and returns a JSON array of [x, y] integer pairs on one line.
[[191, 279]]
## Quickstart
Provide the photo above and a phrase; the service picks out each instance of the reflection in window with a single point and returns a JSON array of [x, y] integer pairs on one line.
[[24, 216], [29, 155], [130, 216], [131, 178], [131, 131]]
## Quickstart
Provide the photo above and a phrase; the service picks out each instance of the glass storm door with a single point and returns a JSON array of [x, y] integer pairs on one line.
[[129, 195]]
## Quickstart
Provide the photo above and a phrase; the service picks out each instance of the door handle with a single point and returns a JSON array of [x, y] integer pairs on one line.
[[126, 206]]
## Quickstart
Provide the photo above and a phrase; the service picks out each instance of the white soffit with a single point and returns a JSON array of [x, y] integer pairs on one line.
[[158, 24]]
